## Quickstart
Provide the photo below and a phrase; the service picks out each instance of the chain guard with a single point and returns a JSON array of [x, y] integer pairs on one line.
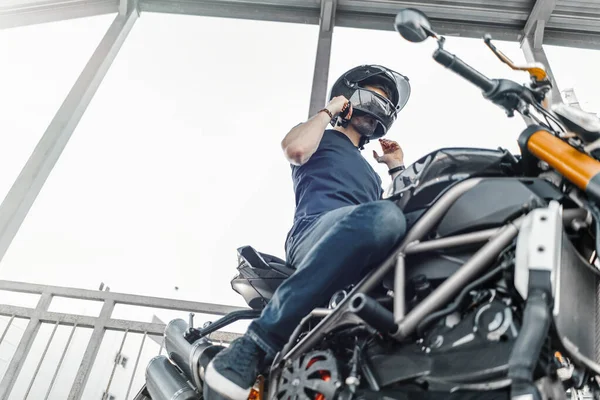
[[313, 376]]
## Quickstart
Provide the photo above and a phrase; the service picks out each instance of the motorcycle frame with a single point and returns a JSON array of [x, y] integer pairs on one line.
[[496, 240]]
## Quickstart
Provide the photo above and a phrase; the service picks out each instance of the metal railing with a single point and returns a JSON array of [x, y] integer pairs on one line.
[[99, 325]]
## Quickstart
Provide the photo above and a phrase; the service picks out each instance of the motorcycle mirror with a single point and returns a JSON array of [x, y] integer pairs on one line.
[[413, 25]]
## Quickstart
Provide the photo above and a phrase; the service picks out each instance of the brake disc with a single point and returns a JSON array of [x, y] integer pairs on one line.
[[313, 376]]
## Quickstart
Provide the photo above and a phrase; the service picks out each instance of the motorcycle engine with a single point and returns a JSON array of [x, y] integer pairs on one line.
[[489, 321], [467, 347]]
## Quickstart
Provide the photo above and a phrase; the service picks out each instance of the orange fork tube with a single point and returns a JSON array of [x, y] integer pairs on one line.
[[579, 168]]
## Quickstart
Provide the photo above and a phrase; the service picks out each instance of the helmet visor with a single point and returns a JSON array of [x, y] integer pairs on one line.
[[397, 82], [374, 104]]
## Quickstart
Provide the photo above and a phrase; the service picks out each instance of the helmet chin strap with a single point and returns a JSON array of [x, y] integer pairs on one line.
[[363, 141]]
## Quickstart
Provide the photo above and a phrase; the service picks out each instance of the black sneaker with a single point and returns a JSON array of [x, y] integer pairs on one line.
[[233, 371]]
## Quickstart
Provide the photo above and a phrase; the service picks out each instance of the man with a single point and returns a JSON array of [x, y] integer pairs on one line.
[[341, 227]]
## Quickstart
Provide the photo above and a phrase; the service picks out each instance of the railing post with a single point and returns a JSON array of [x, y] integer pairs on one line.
[[33, 327], [83, 373]]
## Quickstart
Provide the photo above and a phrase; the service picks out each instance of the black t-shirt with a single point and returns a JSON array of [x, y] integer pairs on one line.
[[336, 175]]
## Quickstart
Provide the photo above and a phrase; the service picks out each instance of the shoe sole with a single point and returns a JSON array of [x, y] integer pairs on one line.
[[223, 386]]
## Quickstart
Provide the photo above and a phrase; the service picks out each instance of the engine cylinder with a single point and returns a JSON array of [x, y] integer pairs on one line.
[[164, 382]]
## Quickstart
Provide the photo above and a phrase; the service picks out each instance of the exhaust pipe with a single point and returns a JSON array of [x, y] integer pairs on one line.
[[191, 358], [164, 382]]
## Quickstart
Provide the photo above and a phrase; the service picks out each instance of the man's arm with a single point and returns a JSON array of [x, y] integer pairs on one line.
[[397, 168], [303, 140], [393, 156]]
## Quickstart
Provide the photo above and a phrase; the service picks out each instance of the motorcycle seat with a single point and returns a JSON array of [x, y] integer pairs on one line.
[[258, 260], [259, 275]]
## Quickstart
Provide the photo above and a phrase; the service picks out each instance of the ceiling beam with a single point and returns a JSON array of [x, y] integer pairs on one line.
[[452, 19], [14, 14], [537, 20]]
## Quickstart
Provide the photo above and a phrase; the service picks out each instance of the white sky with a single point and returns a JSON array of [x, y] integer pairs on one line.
[[176, 162]]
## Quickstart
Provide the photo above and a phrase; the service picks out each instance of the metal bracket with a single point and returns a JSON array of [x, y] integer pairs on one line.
[[533, 38], [327, 15], [538, 34], [125, 6], [539, 247], [571, 98], [536, 23]]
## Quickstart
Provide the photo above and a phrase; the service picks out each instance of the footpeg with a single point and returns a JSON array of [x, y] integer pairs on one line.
[[373, 313]]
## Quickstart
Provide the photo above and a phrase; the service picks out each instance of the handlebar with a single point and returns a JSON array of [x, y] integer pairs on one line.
[[457, 65]]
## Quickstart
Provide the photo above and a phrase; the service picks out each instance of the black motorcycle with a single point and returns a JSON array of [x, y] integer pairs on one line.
[[494, 291]]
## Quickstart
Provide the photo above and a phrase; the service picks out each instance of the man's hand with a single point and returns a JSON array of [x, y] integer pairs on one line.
[[338, 104], [393, 156]]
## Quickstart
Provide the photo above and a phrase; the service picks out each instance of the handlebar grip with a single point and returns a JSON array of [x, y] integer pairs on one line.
[[457, 65]]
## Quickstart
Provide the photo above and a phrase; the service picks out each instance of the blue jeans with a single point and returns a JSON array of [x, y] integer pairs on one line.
[[329, 252]]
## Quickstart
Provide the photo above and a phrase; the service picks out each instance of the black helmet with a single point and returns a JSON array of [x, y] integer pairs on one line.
[[351, 85]]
